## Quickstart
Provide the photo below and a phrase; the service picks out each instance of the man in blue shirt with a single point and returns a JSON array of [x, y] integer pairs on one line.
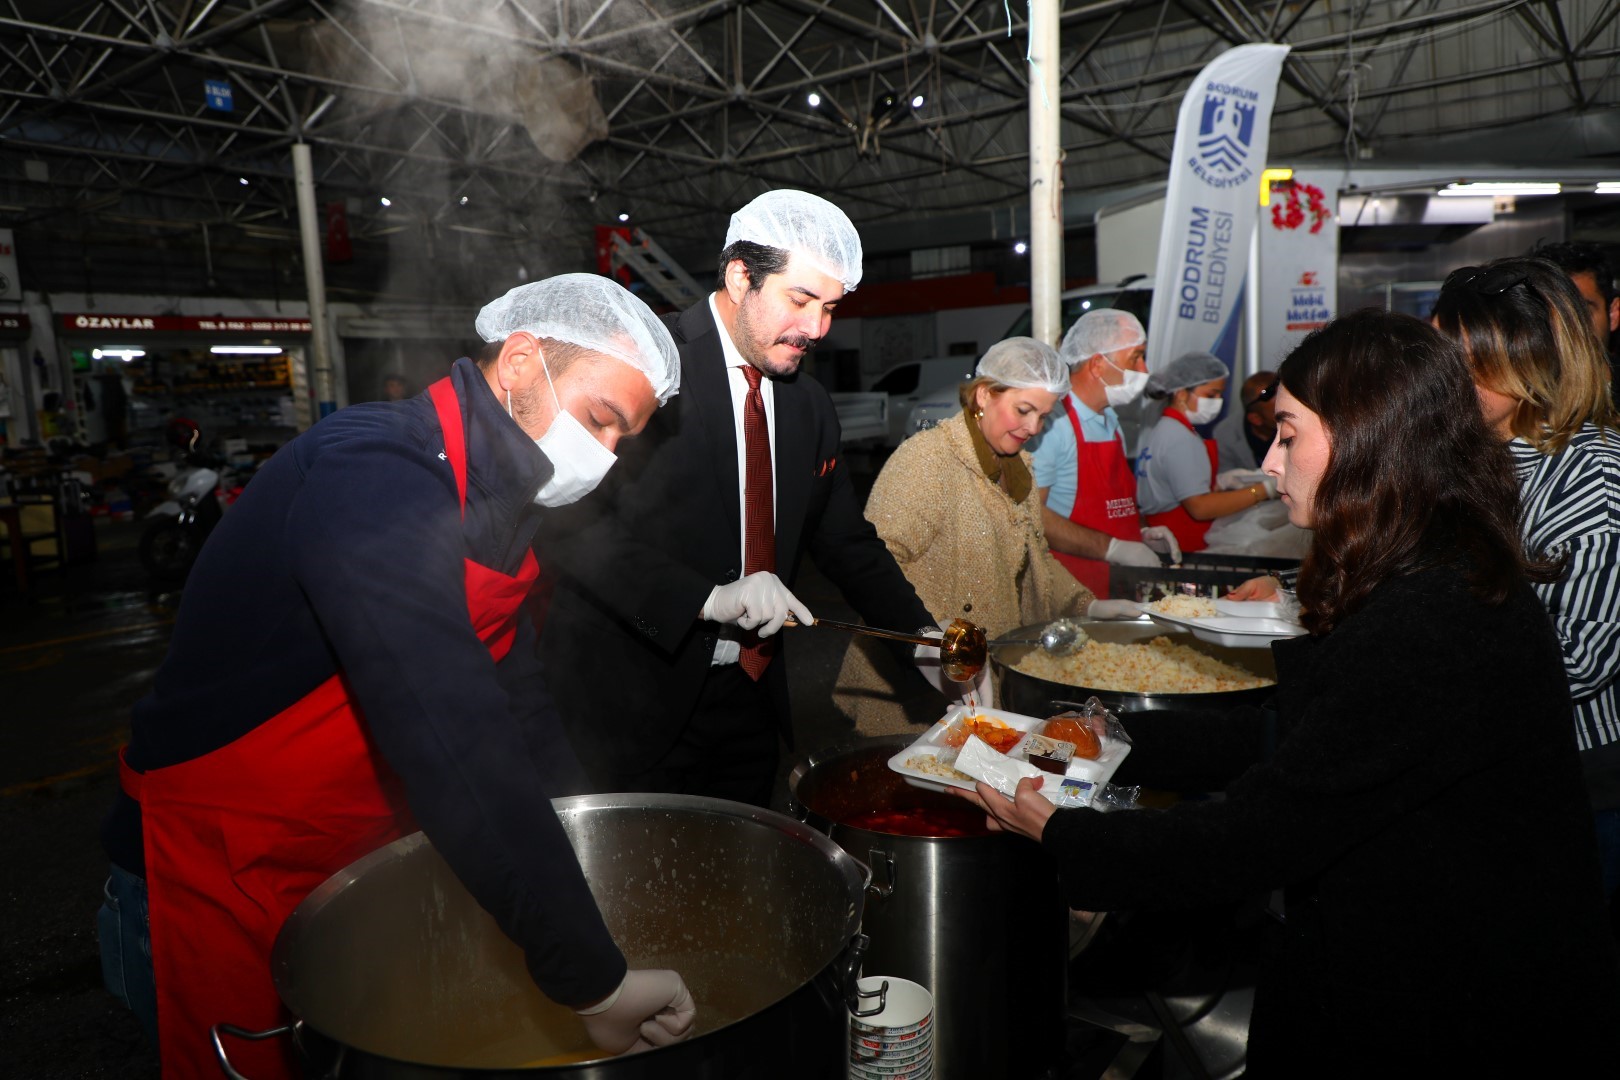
[[1088, 490]]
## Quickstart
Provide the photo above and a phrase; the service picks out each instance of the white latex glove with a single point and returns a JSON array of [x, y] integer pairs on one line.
[[1114, 609], [1162, 540], [927, 660], [651, 1007], [759, 602], [1131, 553], [1271, 486], [1234, 479]]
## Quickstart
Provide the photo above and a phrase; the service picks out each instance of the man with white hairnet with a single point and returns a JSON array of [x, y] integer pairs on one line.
[[1087, 486], [673, 587], [1176, 470], [351, 663]]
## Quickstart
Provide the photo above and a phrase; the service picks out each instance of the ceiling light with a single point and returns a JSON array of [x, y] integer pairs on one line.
[[124, 353], [242, 180], [917, 102], [814, 99], [1607, 187], [1501, 188], [386, 201], [462, 200], [1020, 247], [245, 350], [624, 217]]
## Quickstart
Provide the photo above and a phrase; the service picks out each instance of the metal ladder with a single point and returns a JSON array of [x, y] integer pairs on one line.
[[641, 254]]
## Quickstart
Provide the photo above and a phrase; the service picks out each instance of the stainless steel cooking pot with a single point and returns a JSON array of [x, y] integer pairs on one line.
[[976, 919], [395, 971], [1024, 693]]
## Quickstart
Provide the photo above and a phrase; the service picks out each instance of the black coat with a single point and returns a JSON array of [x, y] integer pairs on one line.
[[636, 560], [1417, 795]]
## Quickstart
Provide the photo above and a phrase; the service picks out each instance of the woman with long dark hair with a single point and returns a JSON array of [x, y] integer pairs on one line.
[[1543, 384], [1411, 787]]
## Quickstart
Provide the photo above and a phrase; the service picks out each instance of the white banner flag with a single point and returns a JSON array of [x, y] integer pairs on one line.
[[1299, 262], [1210, 208]]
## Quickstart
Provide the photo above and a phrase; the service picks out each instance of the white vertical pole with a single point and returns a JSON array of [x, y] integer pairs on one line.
[[1249, 359], [1045, 174], [309, 231]]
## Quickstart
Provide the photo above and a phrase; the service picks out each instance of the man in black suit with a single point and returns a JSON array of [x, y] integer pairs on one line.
[[674, 578]]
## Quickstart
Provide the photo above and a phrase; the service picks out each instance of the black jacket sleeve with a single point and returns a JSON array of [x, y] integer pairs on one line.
[[383, 570]]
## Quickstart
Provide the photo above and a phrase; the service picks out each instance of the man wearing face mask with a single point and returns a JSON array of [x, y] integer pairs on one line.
[[673, 586], [350, 663], [1088, 491]]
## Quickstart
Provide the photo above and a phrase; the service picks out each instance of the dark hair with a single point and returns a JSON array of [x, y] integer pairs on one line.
[[1414, 479], [1574, 257], [759, 262], [560, 355], [1525, 330]]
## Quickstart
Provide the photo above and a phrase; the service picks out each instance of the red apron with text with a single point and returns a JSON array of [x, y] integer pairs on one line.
[[1188, 529], [237, 838], [1104, 499]]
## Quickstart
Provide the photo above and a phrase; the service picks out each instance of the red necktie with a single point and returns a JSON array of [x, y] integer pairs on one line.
[[759, 524]]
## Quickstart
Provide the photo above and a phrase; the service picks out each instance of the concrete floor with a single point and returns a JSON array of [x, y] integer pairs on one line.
[[74, 655]]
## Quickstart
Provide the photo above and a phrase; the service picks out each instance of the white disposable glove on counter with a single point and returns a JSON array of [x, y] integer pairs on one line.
[[651, 1007], [759, 602], [1131, 553], [928, 662], [1233, 479], [1114, 609], [1159, 538]]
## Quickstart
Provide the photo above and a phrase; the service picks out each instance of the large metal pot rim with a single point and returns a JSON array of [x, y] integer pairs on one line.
[[855, 875]]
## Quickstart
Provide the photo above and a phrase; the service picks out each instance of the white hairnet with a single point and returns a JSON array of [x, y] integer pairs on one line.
[[798, 221], [1104, 330], [594, 313], [1188, 369], [1025, 364]]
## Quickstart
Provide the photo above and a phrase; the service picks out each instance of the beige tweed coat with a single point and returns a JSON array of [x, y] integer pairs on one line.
[[969, 550]]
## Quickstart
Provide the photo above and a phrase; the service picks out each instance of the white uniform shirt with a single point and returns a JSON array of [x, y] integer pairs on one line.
[[726, 649]]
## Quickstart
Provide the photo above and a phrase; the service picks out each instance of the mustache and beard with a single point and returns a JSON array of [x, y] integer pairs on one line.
[[754, 343]]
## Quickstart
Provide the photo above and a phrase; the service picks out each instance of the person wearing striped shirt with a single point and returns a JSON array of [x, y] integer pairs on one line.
[[1543, 383]]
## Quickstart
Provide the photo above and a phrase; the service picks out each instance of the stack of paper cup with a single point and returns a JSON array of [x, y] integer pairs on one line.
[[896, 1041]]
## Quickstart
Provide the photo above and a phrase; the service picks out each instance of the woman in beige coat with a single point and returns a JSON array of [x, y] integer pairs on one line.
[[958, 508]]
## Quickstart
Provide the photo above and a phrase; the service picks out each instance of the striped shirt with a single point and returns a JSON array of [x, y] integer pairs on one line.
[[1572, 507]]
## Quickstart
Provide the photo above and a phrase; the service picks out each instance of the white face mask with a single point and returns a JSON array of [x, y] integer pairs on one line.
[[578, 461], [1127, 391], [1208, 408]]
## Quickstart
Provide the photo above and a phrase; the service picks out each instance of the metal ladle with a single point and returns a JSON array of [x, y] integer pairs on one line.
[[962, 651], [1060, 637]]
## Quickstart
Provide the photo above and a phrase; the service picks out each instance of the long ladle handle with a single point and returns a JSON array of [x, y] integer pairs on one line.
[[869, 631]]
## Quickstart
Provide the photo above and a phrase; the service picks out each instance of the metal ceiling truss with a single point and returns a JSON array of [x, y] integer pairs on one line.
[[693, 106]]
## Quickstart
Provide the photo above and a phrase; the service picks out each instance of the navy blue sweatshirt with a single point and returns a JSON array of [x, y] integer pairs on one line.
[[345, 553]]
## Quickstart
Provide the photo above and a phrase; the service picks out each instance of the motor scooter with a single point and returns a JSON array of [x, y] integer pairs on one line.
[[177, 527]]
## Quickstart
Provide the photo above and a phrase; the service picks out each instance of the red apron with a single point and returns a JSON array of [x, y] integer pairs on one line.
[[1104, 499], [237, 838], [1188, 529]]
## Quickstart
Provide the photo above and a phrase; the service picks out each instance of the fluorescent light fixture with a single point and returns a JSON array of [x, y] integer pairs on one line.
[[814, 99], [917, 102], [1020, 247], [386, 201], [117, 352], [1501, 188], [242, 180], [1607, 187], [245, 350]]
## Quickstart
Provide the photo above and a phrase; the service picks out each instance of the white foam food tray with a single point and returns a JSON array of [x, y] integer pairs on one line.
[[932, 743]]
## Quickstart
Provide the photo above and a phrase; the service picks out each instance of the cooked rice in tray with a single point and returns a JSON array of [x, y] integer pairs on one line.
[[1185, 607], [1156, 667], [928, 763]]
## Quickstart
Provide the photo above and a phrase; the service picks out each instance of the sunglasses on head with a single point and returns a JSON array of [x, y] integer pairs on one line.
[[1488, 282], [1265, 395]]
